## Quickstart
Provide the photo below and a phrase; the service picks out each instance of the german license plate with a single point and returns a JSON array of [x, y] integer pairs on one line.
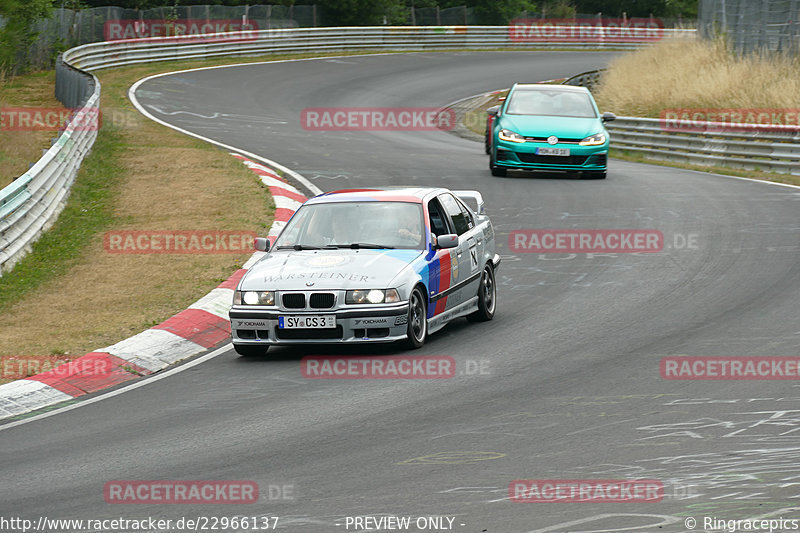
[[552, 151], [307, 322]]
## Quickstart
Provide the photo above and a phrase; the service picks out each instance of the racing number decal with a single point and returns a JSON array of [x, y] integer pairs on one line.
[[473, 256]]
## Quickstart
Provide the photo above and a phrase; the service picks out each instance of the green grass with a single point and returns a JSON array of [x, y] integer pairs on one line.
[[87, 213], [131, 370]]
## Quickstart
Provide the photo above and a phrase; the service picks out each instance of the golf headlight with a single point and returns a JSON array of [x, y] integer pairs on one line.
[[253, 297], [372, 296], [511, 136], [594, 140]]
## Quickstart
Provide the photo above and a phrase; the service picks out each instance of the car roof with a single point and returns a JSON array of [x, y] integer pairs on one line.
[[380, 194], [548, 87]]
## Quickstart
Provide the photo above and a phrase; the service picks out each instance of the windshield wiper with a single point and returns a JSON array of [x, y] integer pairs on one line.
[[357, 245], [298, 247]]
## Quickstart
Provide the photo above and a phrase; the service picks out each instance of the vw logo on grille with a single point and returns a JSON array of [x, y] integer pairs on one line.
[[552, 140]]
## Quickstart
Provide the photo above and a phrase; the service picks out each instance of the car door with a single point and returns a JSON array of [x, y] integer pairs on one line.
[[466, 275], [442, 264], [476, 246]]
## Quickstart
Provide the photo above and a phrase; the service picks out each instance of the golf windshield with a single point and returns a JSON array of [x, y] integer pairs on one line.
[[552, 103]]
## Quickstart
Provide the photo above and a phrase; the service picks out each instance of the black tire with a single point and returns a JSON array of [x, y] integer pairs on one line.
[[487, 297], [500, 172], [417, 328], [249, 350]]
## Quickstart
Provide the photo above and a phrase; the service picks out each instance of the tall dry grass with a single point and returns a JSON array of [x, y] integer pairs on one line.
[[689, 73]]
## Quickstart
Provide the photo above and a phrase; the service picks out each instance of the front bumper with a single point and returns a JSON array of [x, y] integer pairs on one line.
[[523, 155], [380, 323]]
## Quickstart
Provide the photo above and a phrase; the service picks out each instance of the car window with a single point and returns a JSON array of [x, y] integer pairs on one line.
[[386, 224], [550, 103], [467, 214], [453, 209], [437, 218]]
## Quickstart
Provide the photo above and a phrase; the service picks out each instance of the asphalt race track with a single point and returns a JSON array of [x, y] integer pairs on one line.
[[563, 384]]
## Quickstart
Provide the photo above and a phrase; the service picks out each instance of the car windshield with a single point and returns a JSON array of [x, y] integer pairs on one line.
[[355, 225], [550, 103]]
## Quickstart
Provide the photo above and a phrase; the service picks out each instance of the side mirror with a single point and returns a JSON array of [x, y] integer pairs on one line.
[[608, 116], [447, 241], [501, 98], [492, 111], [262, 244]]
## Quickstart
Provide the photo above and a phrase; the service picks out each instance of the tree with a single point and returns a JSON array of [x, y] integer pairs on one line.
[[358, 12], [18, 34], [639, 8], [491, 12]]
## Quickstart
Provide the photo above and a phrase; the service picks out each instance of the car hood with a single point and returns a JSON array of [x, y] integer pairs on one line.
[[327, 269], [545, 126]]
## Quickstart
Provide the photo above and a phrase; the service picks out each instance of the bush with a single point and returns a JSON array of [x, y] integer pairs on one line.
[[17, 36]]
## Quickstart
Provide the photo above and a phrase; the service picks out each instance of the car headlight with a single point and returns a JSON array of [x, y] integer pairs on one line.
[[253, 297], [371, 296], [511, 136], [594, 140]]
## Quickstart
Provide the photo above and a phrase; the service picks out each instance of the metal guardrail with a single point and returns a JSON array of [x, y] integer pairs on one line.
[[756, 147], [398, 38], [584, 79], [32, 202], [73, 86]]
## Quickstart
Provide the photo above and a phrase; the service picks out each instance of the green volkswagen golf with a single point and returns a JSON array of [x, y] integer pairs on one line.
[[549, 127]]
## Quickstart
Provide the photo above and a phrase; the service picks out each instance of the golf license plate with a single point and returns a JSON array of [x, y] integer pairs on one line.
[[552, 151], [307, 322]]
